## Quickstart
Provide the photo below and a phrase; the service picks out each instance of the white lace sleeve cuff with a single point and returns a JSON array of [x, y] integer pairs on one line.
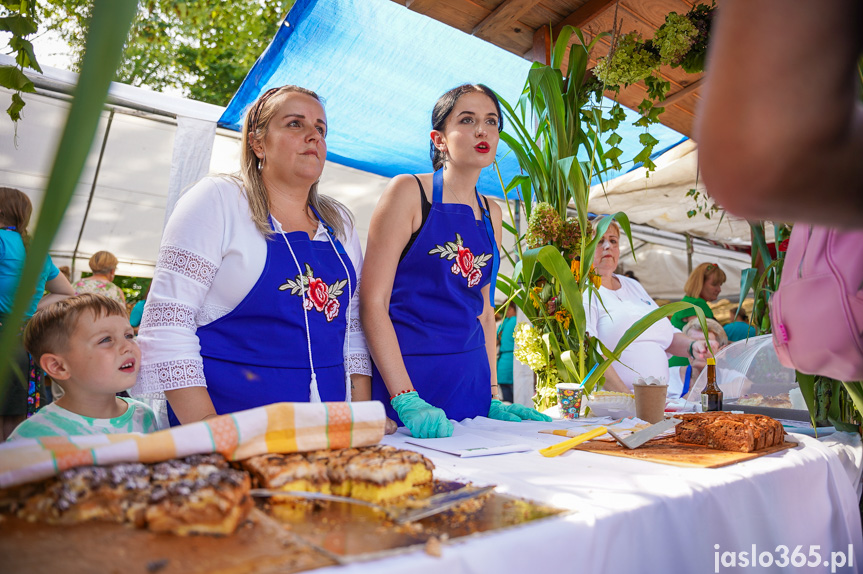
[[359, 364], [155, 379]]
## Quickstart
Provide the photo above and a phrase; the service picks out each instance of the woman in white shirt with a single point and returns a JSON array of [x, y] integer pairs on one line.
[[254, 299], [625, 301]]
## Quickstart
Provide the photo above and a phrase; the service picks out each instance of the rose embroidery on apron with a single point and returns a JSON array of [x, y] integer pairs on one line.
[[321, 297], [466, 264]]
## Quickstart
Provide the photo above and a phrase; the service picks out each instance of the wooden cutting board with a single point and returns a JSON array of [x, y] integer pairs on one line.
[[668, 451], [260, 546]]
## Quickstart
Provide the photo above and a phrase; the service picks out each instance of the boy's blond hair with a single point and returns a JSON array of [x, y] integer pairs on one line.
[[50, 329]]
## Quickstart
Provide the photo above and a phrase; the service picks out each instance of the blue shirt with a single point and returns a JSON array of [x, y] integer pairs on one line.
[[12, 255], [738, 330]]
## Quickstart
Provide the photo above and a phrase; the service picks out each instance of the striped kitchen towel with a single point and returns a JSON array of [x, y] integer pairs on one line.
[[280, 427]]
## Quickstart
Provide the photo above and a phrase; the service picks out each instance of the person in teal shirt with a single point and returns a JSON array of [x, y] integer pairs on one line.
[[703, 286], [739, 329], [15, 211], [506, 345]]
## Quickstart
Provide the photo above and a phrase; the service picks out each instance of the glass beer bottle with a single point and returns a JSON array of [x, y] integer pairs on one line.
[[711, 396]]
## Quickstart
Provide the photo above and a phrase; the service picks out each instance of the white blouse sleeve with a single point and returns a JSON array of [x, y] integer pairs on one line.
[[189, 257], [357, 359]]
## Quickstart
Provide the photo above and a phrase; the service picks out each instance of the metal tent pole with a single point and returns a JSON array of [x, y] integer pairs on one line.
[[92, 191]]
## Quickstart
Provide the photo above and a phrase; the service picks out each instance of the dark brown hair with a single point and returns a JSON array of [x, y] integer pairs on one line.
[[443, 108], [50, 329], [15, 210]]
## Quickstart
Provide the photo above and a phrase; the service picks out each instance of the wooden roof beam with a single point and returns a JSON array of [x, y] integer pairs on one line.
[[680, 94], [589, 10], [421, 6], [502, 17]]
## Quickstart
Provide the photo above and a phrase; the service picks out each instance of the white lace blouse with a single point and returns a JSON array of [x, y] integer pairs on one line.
[[210, 258]]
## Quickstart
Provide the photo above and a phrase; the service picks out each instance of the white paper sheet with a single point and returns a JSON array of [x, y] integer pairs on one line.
[[467, 445]]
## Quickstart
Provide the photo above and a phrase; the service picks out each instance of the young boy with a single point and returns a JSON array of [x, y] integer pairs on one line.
[[87, 346]]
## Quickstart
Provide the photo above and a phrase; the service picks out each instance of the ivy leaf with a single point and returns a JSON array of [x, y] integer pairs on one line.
[[614, 139], [14, 79], [647, 140], [14, 110], [18, 25]]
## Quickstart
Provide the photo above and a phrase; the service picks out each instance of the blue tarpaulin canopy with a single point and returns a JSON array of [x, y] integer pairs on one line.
[[380, 68]]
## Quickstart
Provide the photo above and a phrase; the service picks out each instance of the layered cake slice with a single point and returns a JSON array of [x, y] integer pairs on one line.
[[380, 474], [199, 494], [288, 472], [727, 431]]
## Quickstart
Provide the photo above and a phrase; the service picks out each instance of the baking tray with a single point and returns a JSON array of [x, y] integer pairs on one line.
[[350, 533], [776, 413]]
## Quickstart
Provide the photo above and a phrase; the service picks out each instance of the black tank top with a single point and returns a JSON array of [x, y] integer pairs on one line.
[[426, 208]]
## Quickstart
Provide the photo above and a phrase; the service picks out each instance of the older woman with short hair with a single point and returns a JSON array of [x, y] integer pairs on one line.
[[624, 301], [103, 264]]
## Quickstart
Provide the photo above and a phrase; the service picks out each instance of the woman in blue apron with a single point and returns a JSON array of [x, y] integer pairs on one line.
[[267, 295], [431, 263]]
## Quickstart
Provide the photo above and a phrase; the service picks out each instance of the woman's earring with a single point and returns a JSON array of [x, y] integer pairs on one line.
[[261, 163], [443, 151]]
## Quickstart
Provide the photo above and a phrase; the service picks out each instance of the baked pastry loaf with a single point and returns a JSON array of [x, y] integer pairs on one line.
[[727, 431], [380, 474], [200, 494]]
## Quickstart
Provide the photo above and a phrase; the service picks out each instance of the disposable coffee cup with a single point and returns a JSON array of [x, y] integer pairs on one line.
[[569, 397], [650, 401]]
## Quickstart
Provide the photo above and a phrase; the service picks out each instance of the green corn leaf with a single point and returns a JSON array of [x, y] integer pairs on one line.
[[109, 26]]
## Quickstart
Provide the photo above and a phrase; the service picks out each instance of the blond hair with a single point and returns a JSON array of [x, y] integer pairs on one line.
[[255, 127], [695, 283], [103, 262], [713, 326], [50, 329]]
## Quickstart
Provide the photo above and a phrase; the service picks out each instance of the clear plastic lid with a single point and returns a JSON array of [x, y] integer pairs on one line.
[[749, 373]]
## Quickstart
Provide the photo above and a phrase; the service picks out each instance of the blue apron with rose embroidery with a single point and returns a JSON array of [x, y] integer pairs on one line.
[[258, 353], [435, 306]]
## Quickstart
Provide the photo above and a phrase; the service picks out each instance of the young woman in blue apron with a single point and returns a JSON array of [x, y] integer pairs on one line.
[[285, 340], [431, 263]]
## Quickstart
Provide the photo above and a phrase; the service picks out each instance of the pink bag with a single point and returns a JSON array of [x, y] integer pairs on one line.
[[817, 312]]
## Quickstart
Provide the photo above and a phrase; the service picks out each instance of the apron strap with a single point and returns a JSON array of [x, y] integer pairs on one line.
[[495, 261], [437, 186]]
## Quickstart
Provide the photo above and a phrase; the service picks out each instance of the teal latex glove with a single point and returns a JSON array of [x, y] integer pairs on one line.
[[515, 413], [422, 419]]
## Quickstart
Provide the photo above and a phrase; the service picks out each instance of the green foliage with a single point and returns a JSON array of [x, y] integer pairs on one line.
[[19, 19], [110, 22], [681, 40], [559, 155], [674, 38], [201, 47], [133, 288]]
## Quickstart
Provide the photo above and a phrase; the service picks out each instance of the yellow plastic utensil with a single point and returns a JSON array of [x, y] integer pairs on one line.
[[564, 446]]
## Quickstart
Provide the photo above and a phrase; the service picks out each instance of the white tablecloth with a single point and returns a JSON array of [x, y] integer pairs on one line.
[[636, 516]]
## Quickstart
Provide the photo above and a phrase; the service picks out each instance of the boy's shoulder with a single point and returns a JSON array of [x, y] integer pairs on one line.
[[53, 420], [141, 416], [50, 420]]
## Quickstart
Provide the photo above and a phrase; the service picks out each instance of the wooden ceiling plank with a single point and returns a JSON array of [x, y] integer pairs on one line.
[[680, 94], [588, 11], [421, 6], [502, 18]]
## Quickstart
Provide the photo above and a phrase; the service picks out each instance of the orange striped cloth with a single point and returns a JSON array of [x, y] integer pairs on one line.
[[280, 427]]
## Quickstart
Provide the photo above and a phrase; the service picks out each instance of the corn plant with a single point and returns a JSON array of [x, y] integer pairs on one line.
[[558, 158]]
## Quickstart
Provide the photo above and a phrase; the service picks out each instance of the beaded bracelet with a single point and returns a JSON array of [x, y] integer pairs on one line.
[[402, 393]]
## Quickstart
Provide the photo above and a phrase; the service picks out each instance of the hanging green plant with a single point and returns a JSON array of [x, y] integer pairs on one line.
[[680, 42]]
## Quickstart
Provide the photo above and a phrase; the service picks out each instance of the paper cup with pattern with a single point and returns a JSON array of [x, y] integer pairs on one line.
[[569, 399]]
